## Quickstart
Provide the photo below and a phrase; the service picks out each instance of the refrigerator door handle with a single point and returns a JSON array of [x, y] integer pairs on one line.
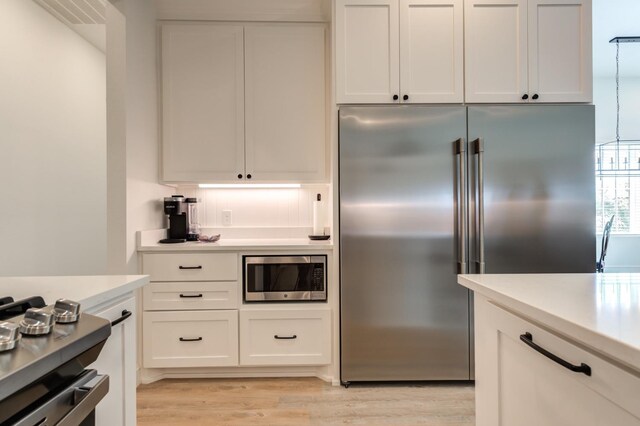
[[478, 150], [461, 202]]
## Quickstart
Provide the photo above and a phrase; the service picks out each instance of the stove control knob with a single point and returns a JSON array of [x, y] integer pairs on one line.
[[9, 336], [37, 322], [66, 311]]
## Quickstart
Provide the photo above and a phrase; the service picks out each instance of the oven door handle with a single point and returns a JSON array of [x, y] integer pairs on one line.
[[125, 314], [85, 399]]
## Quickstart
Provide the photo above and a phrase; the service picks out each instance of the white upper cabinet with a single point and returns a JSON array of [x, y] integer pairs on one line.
[[528, 51], [367, 51], [399, 51], [431, 51], [560, 64], [202, 102], [495, 50], [243, 102], [285, 102]]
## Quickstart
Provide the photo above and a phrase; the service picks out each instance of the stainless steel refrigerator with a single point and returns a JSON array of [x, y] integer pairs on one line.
[[430, 192]]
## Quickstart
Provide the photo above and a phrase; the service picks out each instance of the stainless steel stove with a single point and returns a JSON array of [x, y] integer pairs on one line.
[[44, 354]]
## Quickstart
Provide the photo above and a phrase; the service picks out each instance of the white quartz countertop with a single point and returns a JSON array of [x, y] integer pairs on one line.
[[238, 239], [90, 291], [601, 311], [241, 244]]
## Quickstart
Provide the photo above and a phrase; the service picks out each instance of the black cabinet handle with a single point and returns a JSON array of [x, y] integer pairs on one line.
[[285, 337], [582, 368], [190, 296], [405, 97], [125, 314], [395, 97], [535, 96], [525, 97], [190, 339], [249, 176], [239, 176], [190, 267]]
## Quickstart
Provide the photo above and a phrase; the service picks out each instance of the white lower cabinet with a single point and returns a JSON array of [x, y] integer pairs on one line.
[[118, 360], [190, 339], [279, 337], [180, 296], [194, 318], [516, 384]]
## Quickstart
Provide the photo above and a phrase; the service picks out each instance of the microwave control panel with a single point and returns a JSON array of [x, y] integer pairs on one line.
[[317, 278]]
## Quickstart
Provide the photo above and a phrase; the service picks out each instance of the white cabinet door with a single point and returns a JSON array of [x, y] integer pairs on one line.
[[202, 102], [285, 102], [367, 51], [190, 339], [431, 51], [118, 360], [190, 266], [560, 66], [495, 50], [517, 385], [291, 337]]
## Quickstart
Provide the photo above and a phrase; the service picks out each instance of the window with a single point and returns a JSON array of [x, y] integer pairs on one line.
[[618, 186]]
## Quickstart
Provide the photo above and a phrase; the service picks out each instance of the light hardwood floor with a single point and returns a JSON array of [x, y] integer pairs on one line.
[[301, 401]]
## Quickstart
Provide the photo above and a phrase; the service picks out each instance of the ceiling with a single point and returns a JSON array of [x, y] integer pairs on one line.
[[613, 18], [86, 17]]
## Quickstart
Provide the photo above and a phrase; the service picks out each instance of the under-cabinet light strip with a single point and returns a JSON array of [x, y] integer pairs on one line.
[[247, 185]]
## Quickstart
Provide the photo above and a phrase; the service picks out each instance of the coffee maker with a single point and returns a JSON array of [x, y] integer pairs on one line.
[[183, 219]]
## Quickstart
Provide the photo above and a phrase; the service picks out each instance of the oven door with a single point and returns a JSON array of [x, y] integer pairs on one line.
[[285, 278], [74, 405]]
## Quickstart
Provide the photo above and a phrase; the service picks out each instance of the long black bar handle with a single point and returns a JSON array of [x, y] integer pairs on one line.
[[582, 368], [190, 267], [285, 337], [190, 339], [191, 296], [125, 314]]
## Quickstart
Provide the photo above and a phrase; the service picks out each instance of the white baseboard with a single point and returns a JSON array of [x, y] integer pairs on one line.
[[147, 376]]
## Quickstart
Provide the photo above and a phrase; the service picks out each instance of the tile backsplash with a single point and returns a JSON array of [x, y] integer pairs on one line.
[[290, 207]]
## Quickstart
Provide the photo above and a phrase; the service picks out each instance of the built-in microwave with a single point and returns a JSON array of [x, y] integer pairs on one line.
[[285, 278]]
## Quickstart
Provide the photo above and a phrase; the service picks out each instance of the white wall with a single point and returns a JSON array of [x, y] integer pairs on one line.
[[135, 197], [604, 97], [281, 207], [52, 142], [144, 194]]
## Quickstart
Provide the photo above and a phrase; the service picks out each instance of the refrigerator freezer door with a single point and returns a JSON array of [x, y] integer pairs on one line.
[[539, 195], [403, 317]]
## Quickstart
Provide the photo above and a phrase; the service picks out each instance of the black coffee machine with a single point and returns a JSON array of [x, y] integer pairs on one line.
[[182, 219]]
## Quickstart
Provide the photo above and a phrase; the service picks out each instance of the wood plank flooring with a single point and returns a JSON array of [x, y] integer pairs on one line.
[[301, 401]]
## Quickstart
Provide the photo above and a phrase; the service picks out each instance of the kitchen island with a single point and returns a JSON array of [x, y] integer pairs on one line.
[[109, 297], [556, 349]]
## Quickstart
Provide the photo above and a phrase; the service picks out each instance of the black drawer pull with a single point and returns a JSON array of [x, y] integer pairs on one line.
[[190, 296], [190, 267], [285, 337], [190, 339], [582, 368], [125, 314]]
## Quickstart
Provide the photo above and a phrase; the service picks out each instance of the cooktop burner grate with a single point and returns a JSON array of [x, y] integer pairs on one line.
[[10, 308]]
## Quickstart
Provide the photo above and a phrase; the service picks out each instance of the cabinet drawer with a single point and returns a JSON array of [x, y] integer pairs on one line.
[[191, 266], [285, 337], [190, 339], [185, 296], [607, 386]]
